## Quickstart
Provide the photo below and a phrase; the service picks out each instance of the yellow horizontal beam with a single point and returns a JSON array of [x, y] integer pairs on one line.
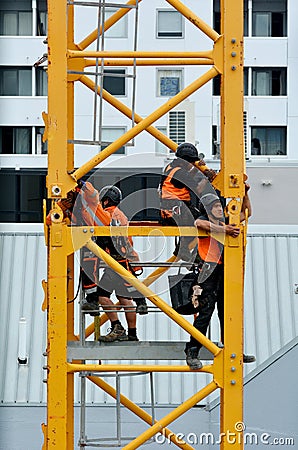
[[138, 54], [145, 231], [153, 62], [72, 368]]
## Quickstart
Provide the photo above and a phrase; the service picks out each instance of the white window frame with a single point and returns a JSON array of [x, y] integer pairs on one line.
[[123, 76], [165, 10], [120, 129], [160, 148], [114, 32], [264, 155], [159, 76]]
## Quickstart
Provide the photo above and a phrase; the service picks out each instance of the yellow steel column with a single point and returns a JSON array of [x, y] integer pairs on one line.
[[57, 407], [70, 259], [59, 181], [231, 176]]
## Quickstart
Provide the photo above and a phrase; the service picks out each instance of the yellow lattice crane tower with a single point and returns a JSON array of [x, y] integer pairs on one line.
[[67, 61]]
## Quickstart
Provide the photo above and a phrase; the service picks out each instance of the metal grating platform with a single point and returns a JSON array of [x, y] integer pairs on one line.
[[130, 351]]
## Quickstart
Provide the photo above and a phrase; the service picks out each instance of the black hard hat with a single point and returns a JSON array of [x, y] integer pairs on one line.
[[111, 193], [208, 200], [188, 152]]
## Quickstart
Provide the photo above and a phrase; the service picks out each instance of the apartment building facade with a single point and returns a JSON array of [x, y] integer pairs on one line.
[[270, 101]]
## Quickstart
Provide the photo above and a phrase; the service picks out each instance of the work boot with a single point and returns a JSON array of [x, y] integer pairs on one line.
[[248, 359], [91, 306], [192, 359], [142, 307], [133, 338], [116, 334]]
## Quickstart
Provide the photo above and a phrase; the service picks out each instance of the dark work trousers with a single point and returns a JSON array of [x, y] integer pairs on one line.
[[213, 292], [185, 218]]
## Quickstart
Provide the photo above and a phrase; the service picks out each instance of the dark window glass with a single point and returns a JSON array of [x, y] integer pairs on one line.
[[245, 80], [15, 140], [16, 18], [270, 141], [41, 18], [269, 18], [41, 81], [216, 15], [114, 81], [24, 192], [15, 81], [216, 85], [269, 81]]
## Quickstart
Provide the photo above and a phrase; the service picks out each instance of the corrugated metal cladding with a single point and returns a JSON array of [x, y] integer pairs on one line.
[[271, 316]]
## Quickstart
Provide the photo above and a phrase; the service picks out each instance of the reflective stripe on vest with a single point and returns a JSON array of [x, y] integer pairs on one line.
[[169, 191]]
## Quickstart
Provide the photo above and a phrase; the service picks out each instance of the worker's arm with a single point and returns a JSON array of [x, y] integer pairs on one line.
[[246, 204], [211, 227]]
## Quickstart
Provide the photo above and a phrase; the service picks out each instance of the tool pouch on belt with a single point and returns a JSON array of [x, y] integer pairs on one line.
[[185, 292], [171, 208]]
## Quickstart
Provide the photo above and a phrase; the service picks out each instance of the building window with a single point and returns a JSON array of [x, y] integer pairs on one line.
[[119, 29], [245, 80], [15, 140], [169, 24], [268, 141], [41, 148], [160, 148], [24, 192], [110, 135], [216, 15], [41, 81], [15, 81], [177, 126], [114, 81], [269, 18], [216, 81], [41, 18], [269, 81], [169, 82], [16, 18]]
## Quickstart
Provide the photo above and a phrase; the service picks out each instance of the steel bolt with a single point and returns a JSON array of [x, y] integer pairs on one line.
[[233, 54], [91, 230], [233, 369], [233, 355], [234, 67], [233, 382], [233, 40], [84, 230]]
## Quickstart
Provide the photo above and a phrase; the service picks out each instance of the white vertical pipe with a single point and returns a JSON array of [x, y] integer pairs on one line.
[[22, 354]]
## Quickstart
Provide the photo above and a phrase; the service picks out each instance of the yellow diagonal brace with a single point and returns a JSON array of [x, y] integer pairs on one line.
[[193, 18], [108, 23], [145, 123], [138, 411], [181, 409], [130, 278]]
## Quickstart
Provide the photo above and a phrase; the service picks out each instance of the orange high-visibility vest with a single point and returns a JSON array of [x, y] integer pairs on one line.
[[169, 191]]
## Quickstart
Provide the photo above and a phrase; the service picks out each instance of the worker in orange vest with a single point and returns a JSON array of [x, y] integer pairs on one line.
[[121, 249], [180, 185], [211, 274]]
